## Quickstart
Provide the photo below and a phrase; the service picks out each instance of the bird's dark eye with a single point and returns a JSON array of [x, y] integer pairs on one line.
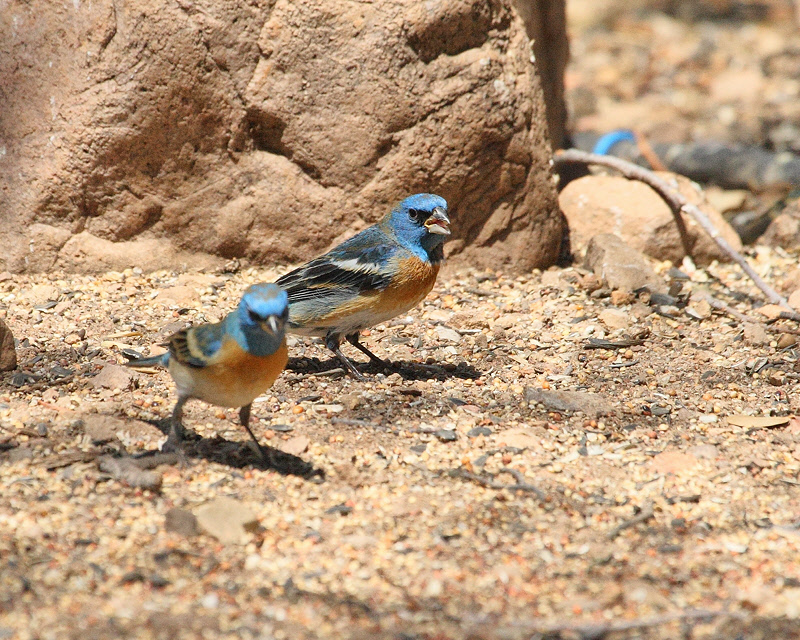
[[414, 214], [254, 317]]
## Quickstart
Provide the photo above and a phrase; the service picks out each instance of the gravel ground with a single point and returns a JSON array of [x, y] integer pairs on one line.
[[462, 496], [506, 482]]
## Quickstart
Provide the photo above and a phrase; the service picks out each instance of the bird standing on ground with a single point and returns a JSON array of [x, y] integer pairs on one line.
[[228, 363], [374, 276]]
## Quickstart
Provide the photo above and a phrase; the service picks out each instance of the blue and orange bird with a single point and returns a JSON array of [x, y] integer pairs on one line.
[[229, 363], [374, 276]]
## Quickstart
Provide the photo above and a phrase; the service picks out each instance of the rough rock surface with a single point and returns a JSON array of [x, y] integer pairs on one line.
[[265, 129], [8, 353], [638, 215], [619, 265]]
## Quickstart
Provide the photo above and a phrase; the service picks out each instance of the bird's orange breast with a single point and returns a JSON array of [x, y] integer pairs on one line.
[[413, 281], [236, 377]]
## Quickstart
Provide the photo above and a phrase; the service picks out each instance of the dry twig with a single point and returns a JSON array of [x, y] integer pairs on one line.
[[726, 308], [679, 204], [645, 514], [489, 482]]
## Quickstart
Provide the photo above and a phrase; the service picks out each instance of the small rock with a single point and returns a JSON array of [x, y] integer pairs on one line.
[[158, 581], [591, 282], [296, 445], [776, 378], [182, 522], [510, 320], [783, 231], [771, 311], [620, 298], [479, 431], [589, 403], [755, 334], [620, 266], [699, 309], [673, 462], [447, 334], [352, 400], [708, 451], [341, 509], [8, 353], [794, 300], [446, 435], [40, 294], [552, 278], [210, 601], [787, 340], [615, 319], [101, 427], [282, 428], [180, 295], [726, 199], [113, 376], [520, 438], [228, 520]]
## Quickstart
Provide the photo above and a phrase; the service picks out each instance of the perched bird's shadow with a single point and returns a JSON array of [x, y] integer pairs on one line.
[[239, 454], [407, 370]]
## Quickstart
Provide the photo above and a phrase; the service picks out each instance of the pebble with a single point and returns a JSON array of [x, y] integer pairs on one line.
[[229, 521], [295, 445], [615, 319], [282, 428], [113, 376], [446, 435], [447, 334], [182, 522], [589, 403], [756, 334]]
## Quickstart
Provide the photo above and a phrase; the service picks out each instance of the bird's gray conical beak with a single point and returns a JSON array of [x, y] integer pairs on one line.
[[438, 222], [274, 323]]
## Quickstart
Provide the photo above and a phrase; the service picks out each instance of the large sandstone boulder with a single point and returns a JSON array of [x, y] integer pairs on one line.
[[639, 216], [265, 129]]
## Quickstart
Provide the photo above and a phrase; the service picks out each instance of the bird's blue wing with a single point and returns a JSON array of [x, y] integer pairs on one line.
[[195, 346], [359, 264]]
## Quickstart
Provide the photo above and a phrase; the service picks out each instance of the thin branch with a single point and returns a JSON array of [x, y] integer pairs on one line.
[[679, 204], [648, 153], [719, 305], [645, 514], [489, 482]]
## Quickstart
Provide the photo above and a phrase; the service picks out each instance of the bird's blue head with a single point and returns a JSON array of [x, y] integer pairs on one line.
[[260, 319], [420, 223]]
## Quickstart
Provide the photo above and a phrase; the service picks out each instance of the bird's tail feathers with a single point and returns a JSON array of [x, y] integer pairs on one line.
[[160, 360]]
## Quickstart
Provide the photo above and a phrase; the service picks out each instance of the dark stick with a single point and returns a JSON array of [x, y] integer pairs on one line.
[[645, 514]]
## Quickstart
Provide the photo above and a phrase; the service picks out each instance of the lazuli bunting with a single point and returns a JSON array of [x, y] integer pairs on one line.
[[374, 276], [228, 363]]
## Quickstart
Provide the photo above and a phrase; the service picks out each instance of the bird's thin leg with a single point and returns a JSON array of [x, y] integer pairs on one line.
[[244, 418], [175, 435], [332, 342], [353, 339]]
